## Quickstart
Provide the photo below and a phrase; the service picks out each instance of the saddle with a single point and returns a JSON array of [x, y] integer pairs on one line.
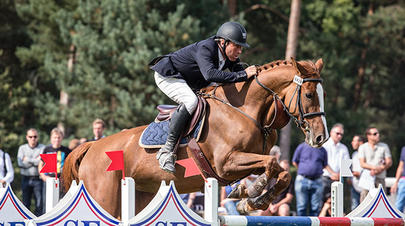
[[166, 111], [155, 134]]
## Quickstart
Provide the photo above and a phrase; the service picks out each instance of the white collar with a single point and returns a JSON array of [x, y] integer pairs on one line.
[[221, 59]]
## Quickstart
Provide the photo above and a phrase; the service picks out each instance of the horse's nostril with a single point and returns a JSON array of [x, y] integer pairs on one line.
[[319, 139]]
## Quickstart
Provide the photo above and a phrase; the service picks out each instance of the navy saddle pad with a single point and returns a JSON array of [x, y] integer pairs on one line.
[[155, 135]]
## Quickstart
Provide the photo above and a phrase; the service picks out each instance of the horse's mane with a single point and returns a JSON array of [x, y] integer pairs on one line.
[[308, 66]]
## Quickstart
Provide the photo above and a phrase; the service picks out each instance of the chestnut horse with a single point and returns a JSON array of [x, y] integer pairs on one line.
[[237, 136]]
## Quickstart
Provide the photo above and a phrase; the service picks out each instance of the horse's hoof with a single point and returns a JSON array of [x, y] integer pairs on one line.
[[242, 207], [263, 201], [258, 203], [238, 192], [257, 187]]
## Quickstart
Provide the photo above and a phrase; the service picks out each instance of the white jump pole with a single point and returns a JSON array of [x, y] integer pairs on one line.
[[52, 193], [337, 188], [127, 198], [337, 199], [211, 201]]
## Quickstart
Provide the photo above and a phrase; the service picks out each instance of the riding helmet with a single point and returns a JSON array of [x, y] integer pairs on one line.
[[234, 32]]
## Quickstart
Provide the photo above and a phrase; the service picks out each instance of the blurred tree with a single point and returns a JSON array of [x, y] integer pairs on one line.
[[267, 25], [112, 43], [362, 45], [17, 86], [44, 35], [291, 51]]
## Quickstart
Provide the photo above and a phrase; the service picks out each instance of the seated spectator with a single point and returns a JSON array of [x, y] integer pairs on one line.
[[326, 210], [281, 204], [196, 202]]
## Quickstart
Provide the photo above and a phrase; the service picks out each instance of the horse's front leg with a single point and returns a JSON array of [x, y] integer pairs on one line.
[[240, 161], [254, 190], [248, 161], [263, 201]]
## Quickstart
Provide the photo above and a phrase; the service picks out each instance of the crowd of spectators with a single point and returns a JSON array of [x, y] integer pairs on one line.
[[316, 169], [30, 163]]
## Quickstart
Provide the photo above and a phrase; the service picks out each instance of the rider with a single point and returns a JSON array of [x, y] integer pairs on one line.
[[193, 67]]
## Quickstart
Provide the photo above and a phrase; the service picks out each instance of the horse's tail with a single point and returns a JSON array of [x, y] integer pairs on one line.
[[71, 166]]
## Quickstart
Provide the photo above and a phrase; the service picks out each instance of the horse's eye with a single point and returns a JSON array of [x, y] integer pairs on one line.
[[309, 95]]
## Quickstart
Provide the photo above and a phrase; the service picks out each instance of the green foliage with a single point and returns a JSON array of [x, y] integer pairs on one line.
[[114, 41], [361, 43], [16, 87]]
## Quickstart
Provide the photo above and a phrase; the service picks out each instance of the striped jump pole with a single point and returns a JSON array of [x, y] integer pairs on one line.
[[307, 221], [374, 210]]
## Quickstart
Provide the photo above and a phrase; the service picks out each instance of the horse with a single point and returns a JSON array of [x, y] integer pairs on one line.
[[239, 130]]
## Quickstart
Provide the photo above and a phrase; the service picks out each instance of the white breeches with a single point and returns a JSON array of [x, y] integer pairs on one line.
[[177, 90]]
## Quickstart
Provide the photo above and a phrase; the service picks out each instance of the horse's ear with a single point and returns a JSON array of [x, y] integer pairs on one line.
[[302, 69], [319, 65]]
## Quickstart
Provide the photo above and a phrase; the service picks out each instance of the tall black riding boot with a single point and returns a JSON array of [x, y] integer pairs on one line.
[[178, 122]]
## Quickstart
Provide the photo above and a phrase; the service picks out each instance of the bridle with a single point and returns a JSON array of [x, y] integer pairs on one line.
[[298, 80]]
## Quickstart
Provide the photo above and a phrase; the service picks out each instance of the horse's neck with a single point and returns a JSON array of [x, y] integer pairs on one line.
[[253, 99]]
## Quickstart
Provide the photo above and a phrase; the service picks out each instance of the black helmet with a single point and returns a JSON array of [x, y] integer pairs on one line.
[[234, 32]]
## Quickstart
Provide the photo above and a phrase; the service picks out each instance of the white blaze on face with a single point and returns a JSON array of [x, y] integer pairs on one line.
[[319, 91]]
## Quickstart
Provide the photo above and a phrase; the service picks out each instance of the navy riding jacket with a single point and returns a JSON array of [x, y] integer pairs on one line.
[[198, 65]]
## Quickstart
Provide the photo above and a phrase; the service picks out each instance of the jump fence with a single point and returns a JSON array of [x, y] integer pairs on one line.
[[77, 207]]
